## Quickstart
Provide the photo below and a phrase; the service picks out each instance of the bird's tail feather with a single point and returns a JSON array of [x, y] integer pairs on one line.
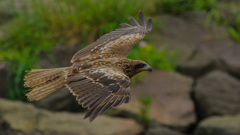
[[44, 82]]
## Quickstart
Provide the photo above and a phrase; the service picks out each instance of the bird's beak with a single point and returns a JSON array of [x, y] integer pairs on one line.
[[147, 68]]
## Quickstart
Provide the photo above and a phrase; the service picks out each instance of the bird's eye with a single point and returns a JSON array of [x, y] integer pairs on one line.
[[140, 65]]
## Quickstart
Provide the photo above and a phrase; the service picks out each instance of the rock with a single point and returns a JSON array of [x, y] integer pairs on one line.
[[188, 31], [171, 101], [199, 44], [3, 79], [27, 118], [224, 125], [205, 57], [231, 60], [217, 93], [162, 131], [5, 129]]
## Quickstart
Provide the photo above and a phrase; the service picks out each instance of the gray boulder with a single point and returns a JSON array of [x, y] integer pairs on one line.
[[31, 120], [171, 102], [162, 131], [186, 32], [231, 60], [224, 125], [217, 93], [5, 129], [206, 57], [200, 44]]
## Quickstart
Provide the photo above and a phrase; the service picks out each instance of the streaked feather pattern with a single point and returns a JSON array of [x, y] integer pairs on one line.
[[39, 76], [44, 82], [101, 87], [121, 38]]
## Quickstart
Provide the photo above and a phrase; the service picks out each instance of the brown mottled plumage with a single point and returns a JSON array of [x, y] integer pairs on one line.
[[100, 74]]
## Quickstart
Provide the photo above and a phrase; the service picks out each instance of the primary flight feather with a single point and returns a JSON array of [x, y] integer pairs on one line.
[[100, 74]]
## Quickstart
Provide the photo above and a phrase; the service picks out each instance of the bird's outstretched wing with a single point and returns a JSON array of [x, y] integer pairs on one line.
[[118, 42], [99, 89]]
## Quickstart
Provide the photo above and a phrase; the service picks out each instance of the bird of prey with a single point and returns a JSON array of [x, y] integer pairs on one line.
[[100, 74]]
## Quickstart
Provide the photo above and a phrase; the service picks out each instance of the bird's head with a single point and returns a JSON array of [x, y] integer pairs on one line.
[[142, 66], [137, 66]]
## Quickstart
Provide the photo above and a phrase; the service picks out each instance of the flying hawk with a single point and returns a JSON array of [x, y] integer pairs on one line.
[[100, 74]]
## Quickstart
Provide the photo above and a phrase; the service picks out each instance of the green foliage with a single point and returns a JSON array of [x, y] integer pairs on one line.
[[83, 19], [234, 30], [215, 15], [235, 33], [160, 59], [19, 49], [180, 6], [143, 116]]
